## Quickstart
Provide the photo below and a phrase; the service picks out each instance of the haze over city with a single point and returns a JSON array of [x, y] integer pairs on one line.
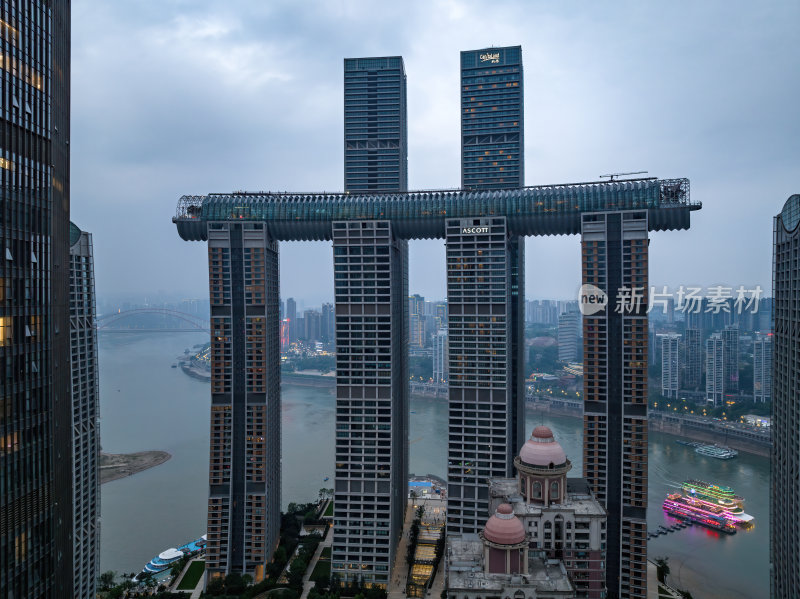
[[174, 98]]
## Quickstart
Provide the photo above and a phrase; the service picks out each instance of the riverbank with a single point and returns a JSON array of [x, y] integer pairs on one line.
[[114, 466], [706, 430]]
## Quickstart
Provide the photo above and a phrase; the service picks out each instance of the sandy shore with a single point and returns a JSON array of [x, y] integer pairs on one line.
[[120, 465]]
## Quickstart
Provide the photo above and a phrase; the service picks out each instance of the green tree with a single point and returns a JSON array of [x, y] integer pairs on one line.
[[662, 568], [106, 580]]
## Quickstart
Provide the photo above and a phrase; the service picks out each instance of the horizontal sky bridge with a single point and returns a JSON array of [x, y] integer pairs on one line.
[[539, 210]]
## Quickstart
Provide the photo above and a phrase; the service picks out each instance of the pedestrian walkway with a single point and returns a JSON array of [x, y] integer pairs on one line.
[[308, 584], [398, 581]]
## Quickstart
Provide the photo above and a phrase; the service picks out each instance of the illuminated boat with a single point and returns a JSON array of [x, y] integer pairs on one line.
[[721, 495], [698, 512]]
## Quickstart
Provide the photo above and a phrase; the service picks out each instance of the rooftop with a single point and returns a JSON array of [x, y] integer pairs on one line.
[[465, 569], [579, 498]]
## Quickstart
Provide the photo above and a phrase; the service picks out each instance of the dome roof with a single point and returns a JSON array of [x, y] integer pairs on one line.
[[542, 449], [504, 528]]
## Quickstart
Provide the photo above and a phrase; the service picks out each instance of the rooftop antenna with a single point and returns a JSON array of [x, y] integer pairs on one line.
[[613, 176]]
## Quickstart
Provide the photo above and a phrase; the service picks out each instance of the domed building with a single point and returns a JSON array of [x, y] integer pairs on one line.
[[542, 523], [542, 466]]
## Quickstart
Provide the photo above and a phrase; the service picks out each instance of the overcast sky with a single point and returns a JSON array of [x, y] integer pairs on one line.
[[173, 97]]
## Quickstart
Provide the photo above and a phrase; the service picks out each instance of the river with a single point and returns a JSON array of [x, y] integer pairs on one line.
[[147, 405]]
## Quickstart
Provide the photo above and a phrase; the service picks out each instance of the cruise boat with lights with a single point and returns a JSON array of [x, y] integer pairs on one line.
[[718, 496], [716, 451], [686, 508]]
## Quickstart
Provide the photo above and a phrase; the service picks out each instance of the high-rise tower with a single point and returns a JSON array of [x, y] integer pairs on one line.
[[670, 365], [485, 291], [35, 401], [762, 369], [615, 257], [370, 263], [244, 467], [784, 495], [85, 414], [375, 130], [492, 119]]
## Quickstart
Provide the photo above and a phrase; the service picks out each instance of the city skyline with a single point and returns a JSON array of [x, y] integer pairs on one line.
[[706, 126]]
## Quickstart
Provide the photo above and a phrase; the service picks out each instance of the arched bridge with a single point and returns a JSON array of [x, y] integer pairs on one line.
[[195, 323]]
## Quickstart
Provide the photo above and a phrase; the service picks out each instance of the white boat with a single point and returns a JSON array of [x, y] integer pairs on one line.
[[717, 451]]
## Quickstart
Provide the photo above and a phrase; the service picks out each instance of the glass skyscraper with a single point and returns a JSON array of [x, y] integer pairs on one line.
[[492, 119], [785, 457], [85, 414], [375, 130], [35, 405]]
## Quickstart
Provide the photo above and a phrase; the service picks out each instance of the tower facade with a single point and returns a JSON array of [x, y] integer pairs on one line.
[[785, 457], [486, 398], [492, 115], [370, 264], [371, 289], [762, 369], [36, 544], [614, 249], [670, 365], [440, 357], [693, 358], [244, 467], [715, 380], [730, 357], [568, 323], [375, 129], [85, 415]]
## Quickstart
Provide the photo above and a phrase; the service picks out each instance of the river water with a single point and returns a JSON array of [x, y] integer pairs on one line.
[[147, 405]]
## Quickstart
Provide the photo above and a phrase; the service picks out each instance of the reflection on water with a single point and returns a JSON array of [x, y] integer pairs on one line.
[[145, 404]]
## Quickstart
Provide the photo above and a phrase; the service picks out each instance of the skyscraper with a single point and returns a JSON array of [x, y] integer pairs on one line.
[[568, 324], [784, 495], [730, 357], [85, 414], [416, 320], [485, 291], [762, 369], [371, 296], [375, 129], [615, 257], [440, 357], [670, 365], [492, 119], [693, 358], [291, 315], [715, 379], [244, 466], [35, 404]]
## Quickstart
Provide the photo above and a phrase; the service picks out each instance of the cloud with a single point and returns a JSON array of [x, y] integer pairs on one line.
[[175, 97]]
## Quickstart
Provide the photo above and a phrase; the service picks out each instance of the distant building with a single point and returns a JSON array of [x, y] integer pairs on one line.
[[311, 325], [568, 326], [327, 325], [670, 365], [85, 415], [440, 357], [693, 359], [291, 314], [762, 369], [784, 546], [730, 345], [416, 321], [714, 370]]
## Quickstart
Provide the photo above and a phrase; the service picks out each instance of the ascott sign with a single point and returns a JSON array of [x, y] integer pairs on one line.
[[475, 230]]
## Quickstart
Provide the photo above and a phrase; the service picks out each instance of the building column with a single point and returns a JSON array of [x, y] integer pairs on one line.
[[614, 258], [371, 481], [485, 283], [244, 469]]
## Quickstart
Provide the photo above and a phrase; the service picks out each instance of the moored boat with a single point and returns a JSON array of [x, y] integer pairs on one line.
[[716, 451], [166, 558]]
